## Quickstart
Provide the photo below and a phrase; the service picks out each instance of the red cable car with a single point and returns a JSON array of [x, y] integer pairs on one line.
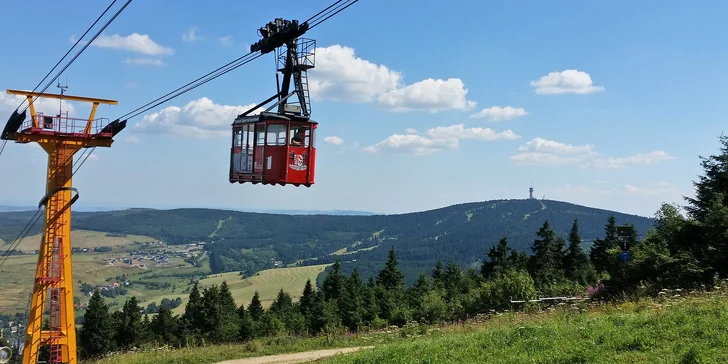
[[278, 148], [273, 149]]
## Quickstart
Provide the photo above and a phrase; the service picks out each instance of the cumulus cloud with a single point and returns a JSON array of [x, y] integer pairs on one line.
[[135, 42], [568, 81], [8, 103], [191, 35], [437, 139], [333, 140], [540, 151], [226, 41], [655, 191], [201, 118], [497, 113], [340, 75], [144, 62]]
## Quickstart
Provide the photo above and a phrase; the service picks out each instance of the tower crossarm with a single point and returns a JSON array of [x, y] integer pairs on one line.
[[95, 101]]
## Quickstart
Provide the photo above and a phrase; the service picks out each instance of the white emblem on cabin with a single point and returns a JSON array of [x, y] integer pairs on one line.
[[298, 162]]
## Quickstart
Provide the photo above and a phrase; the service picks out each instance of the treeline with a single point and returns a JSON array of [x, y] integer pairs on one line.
[[350, 303]]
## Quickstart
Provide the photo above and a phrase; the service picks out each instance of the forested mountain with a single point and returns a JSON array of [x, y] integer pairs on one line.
[[252, 241]]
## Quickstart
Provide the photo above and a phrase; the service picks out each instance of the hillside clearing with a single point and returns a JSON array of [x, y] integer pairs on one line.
[[266, 282]]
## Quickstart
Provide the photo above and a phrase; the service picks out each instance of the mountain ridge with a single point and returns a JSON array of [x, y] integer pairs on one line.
[[251, 241]]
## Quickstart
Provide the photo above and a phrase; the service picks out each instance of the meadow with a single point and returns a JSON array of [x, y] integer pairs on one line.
[[675, 330], [267, 283]]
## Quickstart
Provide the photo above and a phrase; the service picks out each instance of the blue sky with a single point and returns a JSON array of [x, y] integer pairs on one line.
[[421, 104]]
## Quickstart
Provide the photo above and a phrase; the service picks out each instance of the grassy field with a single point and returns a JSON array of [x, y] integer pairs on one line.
[[85, 239], [681, 330], [266, 282]]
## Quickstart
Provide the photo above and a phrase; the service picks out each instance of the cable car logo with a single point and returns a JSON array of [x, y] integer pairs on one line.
[[298, 161]]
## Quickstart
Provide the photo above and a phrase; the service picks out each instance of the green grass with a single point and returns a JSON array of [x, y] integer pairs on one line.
[[692, 330], [696, 332]]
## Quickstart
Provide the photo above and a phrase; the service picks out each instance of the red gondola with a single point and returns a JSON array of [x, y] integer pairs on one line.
[[273, 149], [279, 148]]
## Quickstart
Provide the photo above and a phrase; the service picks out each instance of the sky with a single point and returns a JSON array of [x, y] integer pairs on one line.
[[420, 104]]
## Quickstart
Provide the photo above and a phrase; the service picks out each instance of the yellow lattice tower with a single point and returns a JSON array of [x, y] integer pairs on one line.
[[61, 137]]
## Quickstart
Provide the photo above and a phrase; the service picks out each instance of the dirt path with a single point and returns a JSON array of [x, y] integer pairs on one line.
[[294, 357]]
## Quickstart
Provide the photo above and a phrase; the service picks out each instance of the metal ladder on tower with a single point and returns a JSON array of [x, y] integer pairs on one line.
[[302, 79], [55, 266]]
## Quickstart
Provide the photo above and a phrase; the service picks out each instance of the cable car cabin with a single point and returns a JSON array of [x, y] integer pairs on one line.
[[273, 149]]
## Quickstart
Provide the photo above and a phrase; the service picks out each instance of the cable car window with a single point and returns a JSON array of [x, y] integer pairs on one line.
[[299, 136], [260, 135], [250, 137], [238, 138], [274, 134]]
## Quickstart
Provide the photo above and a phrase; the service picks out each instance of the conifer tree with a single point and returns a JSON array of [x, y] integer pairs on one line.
[[576, 263], [333, 286], [255, 309], [193, 318], [306, 300], [282, 303], [227, 304], [164, 326], [97, 331], [351, 303], [391, 278], [129, 328], [599, 252], [437, 274], [546, 263]]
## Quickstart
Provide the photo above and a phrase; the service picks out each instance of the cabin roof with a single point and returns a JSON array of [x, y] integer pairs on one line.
[[271, 116]]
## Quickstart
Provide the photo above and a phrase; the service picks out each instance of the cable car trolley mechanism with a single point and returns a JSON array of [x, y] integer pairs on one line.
[[278, 148]]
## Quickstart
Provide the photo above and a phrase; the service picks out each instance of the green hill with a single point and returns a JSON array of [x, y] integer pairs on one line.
[[244, 241]]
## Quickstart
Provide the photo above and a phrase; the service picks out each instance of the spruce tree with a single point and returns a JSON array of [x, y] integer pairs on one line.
[[129, 328], [497, 258], [546, 263], [306, 300], [97, 331], [255, 308], [391, 278], [351, 303], [576, 263], [227, 304], [437, 274], [192, 318], [282, 303], [599, 252], [164, 327], [333, 286]]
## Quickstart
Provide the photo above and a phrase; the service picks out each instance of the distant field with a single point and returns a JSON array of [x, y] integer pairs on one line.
[[17, 274], [267, 283], [84, 239]]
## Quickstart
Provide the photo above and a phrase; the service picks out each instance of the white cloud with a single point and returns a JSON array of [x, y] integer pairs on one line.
[[652, 191], [333, 140], [201, 118], [430, 95], [190, 35], [93, 157], [133, 139], [568, 81], [410, 131], [438, 139], [8, 103], [340, 75], [496, 113], [226, 41], [135, 42], [637, 159], [145, 62], [545, 152]]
